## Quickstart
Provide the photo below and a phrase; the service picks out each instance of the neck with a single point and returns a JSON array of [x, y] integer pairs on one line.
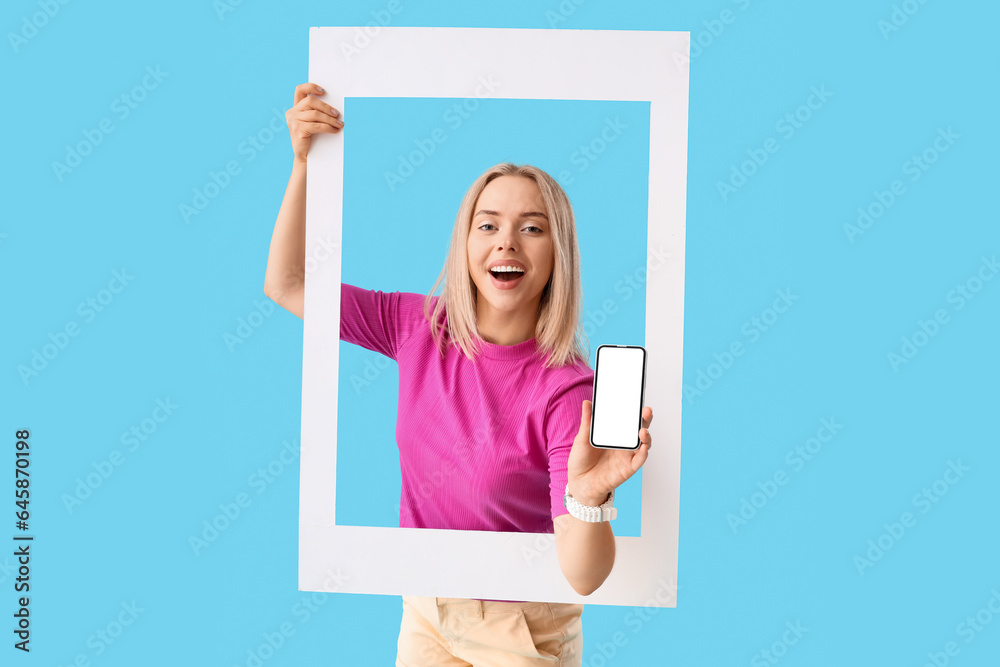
[[505, 328]]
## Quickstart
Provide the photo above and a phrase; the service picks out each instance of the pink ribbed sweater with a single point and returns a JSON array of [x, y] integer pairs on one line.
[[484, 445]]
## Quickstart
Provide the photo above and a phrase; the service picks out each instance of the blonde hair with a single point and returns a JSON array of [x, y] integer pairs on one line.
[[559, 333]]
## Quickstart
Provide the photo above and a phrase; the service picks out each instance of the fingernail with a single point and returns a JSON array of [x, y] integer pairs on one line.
[[321, 89]]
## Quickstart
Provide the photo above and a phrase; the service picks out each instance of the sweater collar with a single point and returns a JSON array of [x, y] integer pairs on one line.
[[506, 352]]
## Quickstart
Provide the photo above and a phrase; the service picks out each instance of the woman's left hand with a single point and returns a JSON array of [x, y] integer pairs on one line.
[[593, 472]]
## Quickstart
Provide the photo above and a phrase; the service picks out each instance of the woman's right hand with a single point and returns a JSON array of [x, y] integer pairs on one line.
[[308, 116]]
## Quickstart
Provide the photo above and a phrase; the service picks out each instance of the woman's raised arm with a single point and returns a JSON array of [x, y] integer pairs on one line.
[[284, 280]]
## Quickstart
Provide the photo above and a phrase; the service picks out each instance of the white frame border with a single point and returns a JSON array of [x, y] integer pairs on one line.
[[422, 62]]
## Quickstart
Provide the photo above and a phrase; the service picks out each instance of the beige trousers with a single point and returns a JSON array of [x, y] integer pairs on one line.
[[453, 632]]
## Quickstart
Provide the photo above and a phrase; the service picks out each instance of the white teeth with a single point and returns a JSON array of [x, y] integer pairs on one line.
[[499, 269]]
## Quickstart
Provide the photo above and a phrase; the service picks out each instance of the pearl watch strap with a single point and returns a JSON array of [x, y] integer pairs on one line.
[[590, 513]]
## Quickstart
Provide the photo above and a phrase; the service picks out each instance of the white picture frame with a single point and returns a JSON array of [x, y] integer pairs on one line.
[[388, 61]]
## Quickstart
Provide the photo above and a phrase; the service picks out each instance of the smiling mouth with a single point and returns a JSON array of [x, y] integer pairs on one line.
[[506, 276]]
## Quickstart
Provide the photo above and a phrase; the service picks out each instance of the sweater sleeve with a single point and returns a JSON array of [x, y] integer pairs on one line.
[[378, 321], [562, 423]]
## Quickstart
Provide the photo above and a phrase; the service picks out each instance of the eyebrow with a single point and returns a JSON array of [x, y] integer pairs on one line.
[[527, 214]]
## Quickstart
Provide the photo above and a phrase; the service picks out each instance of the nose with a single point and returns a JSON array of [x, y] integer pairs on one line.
[[507, 239]]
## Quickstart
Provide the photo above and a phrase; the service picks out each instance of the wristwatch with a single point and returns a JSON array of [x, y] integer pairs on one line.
[[589, 513]]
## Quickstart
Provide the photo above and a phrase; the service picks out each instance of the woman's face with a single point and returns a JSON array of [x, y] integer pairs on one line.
[[510, 227]]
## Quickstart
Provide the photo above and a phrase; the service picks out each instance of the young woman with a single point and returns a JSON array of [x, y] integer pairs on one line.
[[494, 417]]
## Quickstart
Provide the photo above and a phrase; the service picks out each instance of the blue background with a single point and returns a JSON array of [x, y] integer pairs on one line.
[[397, 234], [164, 335]]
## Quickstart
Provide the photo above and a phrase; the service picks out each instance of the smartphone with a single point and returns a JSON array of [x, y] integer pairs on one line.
[[619, 392]]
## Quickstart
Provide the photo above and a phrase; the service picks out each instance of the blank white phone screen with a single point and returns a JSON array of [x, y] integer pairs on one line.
[[617, 396]]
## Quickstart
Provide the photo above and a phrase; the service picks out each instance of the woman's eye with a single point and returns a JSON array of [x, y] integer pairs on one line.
[[490, 224]]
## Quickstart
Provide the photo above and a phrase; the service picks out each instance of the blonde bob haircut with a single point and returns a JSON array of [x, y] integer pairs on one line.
[[559, 334]]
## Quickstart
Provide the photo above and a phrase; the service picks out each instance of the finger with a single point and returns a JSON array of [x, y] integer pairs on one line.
[[640, 457], [311, 102], [319, 117], [306, 129], [584, 431], [304, 89], [647, 416], [645, 437]]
